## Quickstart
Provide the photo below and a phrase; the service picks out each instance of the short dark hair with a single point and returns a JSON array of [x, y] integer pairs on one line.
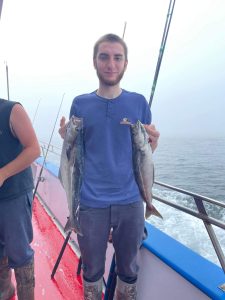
[[113, 38]]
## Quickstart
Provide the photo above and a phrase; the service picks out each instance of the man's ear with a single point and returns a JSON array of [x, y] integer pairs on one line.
[[94, 63], [125, 65]]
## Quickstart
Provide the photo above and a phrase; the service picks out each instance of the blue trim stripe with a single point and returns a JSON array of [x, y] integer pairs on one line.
[[202, 273], [52, 168]]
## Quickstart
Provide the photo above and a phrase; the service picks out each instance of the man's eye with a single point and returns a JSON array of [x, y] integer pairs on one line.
[[103, 56], [118, 58]]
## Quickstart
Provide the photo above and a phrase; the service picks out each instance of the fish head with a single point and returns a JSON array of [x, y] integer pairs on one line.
[[139, 133], [74, 125]]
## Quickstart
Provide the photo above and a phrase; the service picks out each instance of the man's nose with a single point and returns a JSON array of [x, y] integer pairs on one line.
[[111, 62]]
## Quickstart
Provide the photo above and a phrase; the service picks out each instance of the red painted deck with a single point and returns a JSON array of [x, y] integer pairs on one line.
[[47, 244]]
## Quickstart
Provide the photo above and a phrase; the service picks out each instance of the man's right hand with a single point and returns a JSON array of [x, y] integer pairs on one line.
[[62, 129]]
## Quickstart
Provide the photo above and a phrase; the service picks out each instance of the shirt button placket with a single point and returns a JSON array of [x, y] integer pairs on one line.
[[109, 109]]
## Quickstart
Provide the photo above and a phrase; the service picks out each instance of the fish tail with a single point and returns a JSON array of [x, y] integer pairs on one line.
[[73, 225], [76, 227], [152, 211]]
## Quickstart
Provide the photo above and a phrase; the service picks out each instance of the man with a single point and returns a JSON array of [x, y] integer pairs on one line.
[[110, 197], [18, 149]]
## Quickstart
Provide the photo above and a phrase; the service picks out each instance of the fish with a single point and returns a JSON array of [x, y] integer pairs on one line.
[[143, 165], [71, 170]]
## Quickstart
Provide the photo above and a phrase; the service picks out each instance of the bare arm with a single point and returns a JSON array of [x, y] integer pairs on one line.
[[22, 128], [153, 136]]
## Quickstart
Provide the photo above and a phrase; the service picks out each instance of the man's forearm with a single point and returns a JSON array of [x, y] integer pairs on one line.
[[21, 162]]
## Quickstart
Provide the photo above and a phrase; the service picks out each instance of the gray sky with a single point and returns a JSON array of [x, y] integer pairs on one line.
[[48, 47]]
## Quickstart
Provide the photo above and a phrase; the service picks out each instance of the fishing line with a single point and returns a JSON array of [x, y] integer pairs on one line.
[[7, 77], [124, 30], [42, 167], [162, 48]]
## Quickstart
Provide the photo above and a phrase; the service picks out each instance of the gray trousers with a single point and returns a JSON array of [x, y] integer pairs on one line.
[[127, 223]]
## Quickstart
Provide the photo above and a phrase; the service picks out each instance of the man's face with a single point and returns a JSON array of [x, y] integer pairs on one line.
[[110, 63]]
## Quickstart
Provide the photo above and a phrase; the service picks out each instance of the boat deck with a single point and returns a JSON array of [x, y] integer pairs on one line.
[[47, 244]]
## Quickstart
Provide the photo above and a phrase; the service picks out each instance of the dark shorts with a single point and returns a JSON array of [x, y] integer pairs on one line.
[[16, 231], [127, 222]]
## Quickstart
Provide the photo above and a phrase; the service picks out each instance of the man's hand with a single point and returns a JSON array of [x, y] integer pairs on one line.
[[62, 129], [153, 136], [2, 179]]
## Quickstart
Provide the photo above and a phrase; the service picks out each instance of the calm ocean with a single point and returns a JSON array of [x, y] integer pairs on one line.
[[196, 165]]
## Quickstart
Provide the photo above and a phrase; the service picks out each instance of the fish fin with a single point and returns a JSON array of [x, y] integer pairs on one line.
[[68, 152], [68, 226], [152, 211], [60, 177], [73, 225]]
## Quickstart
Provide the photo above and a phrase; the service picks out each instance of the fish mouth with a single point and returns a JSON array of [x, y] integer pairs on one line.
[[77, 121], [125, 121]]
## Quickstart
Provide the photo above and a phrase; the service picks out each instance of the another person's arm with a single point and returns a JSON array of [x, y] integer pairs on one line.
[[22, 129]]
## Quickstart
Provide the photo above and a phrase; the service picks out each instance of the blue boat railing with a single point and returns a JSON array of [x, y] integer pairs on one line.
[[199, 213]]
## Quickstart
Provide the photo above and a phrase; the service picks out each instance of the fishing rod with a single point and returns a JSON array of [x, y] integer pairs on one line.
[[1, 2], [124, 30], [111, 282], [162, 47], [42, 167], [61, 254], [36, 111], [7, 78]]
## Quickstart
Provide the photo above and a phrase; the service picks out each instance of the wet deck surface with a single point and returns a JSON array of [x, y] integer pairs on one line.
[[47, 244]]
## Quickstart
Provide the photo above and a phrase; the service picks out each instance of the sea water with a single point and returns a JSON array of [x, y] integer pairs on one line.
[[196, 165], [193, 164]]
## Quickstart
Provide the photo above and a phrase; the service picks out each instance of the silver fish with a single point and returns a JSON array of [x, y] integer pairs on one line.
[[71, 170], [143, 165]]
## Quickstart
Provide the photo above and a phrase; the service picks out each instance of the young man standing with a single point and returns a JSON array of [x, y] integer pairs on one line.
[[18, 149], [110, 198]]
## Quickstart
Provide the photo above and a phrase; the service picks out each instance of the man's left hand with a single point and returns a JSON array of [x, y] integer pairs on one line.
[[2, 179], [153, 135]]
